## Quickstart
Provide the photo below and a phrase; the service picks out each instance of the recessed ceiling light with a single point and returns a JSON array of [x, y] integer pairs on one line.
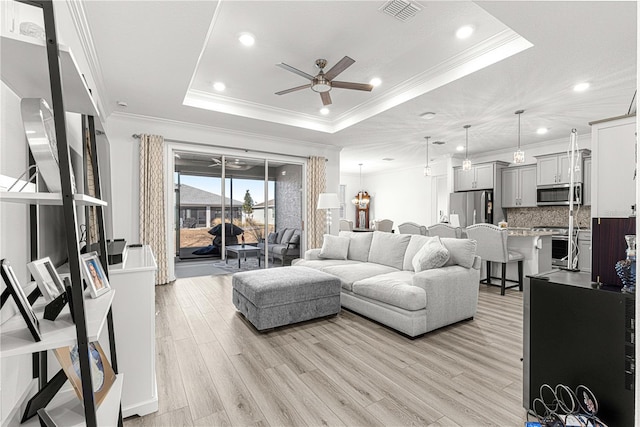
[[581, 87], [542, 131], [460, 148], [464, 32], [428, 115], [219, 86], [324, 111], [375, 82], [247, 39]]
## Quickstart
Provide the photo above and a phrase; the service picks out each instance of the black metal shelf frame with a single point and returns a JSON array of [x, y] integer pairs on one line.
[[47, 390]]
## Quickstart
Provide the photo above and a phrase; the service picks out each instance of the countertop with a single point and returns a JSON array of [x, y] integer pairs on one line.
[[527, 232]]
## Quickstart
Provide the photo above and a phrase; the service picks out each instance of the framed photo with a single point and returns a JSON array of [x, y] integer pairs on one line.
[[102, 375], [47, 278], [94, 275], [20, 298]]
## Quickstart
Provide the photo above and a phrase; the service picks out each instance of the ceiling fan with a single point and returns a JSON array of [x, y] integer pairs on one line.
[[236, 164], [323, 82]]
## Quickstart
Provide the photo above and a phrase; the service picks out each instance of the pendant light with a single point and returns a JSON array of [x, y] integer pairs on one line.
[[362, 198], [518, 155], [427, 168], [466, 164]]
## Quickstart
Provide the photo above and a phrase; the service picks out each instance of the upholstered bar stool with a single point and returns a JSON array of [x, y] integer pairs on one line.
[[492, 247], [412, 228], [385, 225], [444, 230]]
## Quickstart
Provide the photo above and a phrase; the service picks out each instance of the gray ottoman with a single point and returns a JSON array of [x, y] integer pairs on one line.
[[281, 296]]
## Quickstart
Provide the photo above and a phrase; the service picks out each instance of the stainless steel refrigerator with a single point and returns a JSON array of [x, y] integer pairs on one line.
[[472, 207]]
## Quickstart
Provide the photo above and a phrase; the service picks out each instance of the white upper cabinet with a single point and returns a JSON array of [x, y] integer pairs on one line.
[[586, 189], [519, 187], [480, 177], [555, 169]]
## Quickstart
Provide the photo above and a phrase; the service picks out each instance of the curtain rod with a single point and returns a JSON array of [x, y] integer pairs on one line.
[[246, 150]]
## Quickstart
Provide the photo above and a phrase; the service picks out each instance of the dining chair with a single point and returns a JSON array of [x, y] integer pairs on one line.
[[444, 230], [346, 225], [385, 225], [412, 228], [492, 247]]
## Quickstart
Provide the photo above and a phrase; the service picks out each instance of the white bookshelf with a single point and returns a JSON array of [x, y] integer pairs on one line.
[[53, 199], [15, 338]]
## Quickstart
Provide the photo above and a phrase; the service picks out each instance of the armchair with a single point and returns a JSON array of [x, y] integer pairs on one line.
[[385, 225], [444, 230]]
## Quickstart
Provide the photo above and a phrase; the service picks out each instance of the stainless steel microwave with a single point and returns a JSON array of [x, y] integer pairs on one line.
[[558, 195]]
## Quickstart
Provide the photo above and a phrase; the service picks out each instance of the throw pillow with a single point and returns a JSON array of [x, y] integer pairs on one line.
[[334, 247], [461, 251], [287, 235], [271, 238], [295, 241], [431, 255]]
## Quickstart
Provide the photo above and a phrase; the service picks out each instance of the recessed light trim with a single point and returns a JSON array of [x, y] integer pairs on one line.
[[581, 87], [464, 32], [247, 39], [460, 148], [324, 111], [219, 86], [542, 131], [375, 82]]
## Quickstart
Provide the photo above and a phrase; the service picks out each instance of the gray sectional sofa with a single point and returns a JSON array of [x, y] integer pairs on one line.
[[379, 279]]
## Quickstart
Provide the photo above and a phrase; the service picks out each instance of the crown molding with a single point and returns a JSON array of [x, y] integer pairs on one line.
[[79, 18]]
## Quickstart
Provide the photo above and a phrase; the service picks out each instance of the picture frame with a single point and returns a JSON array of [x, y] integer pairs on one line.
[[102, 374], [94, 275], [20, 298], [47, 278]]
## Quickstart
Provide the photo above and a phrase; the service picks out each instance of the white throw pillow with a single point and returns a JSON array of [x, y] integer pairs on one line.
[[432, 255], [334, 247]]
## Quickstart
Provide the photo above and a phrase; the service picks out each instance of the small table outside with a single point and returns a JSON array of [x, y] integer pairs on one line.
[[240, 251]]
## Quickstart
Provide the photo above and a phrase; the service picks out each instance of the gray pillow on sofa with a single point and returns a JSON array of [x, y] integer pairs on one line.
[[461, 251], [287, 235], [334, 247], [432, 255], [271, 238], [359, 245]]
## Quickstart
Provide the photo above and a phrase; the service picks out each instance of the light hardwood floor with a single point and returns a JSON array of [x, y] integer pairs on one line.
[[215, 369]]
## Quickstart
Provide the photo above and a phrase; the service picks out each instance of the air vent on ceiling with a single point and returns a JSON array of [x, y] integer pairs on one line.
[[438, 142], [388, 159], [400, 9]]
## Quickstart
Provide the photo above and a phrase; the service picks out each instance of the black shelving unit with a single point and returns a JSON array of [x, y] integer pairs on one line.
[[69, 201]]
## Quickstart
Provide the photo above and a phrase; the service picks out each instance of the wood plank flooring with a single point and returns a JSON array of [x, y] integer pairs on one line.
[[215, 369]]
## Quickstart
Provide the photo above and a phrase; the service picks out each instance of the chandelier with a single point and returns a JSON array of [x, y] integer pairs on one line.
[[427, 168], [466, 163], [361, 200], [518, 155]]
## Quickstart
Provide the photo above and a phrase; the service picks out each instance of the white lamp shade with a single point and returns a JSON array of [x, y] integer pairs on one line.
[[328, 201]]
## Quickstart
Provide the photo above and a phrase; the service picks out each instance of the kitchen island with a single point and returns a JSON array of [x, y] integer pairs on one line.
[[535, 246]]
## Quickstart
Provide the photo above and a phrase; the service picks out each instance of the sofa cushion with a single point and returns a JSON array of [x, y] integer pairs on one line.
[[287, 235], [359, 245], [415, 244], [393, 290], [322, 264], [272, 238], [353, 272], [334, 247], [279, 235], [431, 255], [389, 248], [461, 251], [295, 239]]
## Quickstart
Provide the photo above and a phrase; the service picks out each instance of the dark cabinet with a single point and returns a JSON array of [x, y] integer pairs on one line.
[[608, 246], [576, 334]]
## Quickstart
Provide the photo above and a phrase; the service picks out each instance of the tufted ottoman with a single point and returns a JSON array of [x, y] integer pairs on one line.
[[281, 296]]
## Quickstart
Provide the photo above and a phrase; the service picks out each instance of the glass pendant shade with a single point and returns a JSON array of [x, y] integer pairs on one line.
[[466, 163], [427, 171], [518, 155]]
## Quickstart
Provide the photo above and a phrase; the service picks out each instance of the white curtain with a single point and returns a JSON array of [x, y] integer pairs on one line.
[[316, 184], [152, 208]]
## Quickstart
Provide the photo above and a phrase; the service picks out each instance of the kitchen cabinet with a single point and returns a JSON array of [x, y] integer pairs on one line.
[[519, 187], [586, 186], [480, 177], [553, 169], [584, 251]]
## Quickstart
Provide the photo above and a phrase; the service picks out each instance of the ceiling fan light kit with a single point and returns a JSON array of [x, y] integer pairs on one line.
[[323, 82]]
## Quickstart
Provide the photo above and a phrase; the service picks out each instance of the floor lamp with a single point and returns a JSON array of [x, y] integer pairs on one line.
[[328, 201]]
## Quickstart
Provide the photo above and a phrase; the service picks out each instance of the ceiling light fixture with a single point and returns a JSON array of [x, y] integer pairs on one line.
[[219, 86], [375, 82], [428, 115], [466, 163], [362, 198], [464, 32], [427, 169], [247, 39], [542, 131], [518, 155], [324, 111], [581, 87]]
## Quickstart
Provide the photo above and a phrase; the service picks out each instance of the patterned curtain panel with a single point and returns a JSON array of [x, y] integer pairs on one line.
[[152, 219], [316, 184], [92, 229]]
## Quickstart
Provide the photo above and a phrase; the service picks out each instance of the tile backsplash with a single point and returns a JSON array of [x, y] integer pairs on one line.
[[553, 216]]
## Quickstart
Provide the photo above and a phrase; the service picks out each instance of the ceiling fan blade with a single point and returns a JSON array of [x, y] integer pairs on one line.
[[326, 98], [354, 86], [295, 70], [342, 65], [293, 89]]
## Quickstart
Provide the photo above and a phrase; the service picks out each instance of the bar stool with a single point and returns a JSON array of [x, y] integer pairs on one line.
[[492, 247]]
